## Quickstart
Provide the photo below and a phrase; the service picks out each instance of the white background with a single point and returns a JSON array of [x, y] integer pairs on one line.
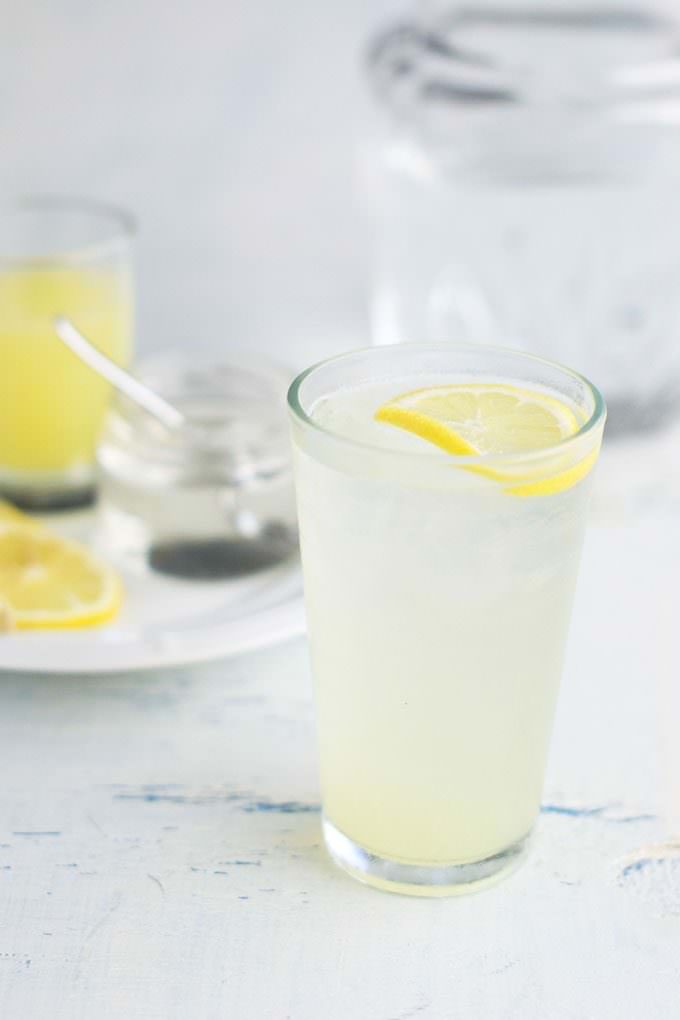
[[229, 128]]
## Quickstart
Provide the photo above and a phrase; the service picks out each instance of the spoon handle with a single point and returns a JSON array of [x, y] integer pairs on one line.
[[140, 394]]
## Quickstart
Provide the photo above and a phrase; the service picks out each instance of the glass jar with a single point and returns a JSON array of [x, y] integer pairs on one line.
[[523, 178], [211, 501]]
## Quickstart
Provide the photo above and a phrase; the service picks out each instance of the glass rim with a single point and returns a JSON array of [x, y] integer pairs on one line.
[[498, 84], [596, 418], [122, 227]]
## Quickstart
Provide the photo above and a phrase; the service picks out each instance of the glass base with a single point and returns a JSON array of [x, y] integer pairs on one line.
[[421, 879], [38, 492]]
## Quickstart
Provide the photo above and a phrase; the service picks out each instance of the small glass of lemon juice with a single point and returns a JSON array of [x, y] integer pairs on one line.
[[442, 496], [58, 257]]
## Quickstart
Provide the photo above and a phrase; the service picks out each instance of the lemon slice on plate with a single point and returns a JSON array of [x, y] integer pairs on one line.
[[468, 419], [47, 581]]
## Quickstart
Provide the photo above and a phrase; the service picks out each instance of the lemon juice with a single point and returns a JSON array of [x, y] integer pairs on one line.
[[58, 257], [442, 496], [51, 405]]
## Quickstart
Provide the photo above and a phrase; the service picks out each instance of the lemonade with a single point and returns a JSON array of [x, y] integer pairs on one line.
[[438, 590], [57, 258]]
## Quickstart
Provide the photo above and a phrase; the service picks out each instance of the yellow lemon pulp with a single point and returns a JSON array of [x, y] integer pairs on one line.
[[468, 419], [47, 581]]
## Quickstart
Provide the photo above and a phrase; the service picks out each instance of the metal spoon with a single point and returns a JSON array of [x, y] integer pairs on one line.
[[137, 391]]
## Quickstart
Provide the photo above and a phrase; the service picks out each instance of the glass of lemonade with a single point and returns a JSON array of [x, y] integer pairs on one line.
[[73, 258], [442, 496]]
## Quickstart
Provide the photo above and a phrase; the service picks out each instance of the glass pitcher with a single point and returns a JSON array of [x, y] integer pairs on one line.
[[523, 182]]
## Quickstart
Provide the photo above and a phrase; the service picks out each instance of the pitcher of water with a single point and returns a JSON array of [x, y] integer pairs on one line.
[[523, 178]]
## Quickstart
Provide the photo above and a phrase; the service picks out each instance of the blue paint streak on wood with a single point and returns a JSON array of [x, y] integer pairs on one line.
[[666, 863], [571, 812], [594, 812], [633, 818], [636, 866], [36, 834], [243, 864], [245, 802], [144, 786], [179, 798], [285, 807]]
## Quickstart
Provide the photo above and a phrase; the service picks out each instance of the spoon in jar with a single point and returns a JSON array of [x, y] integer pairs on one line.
[[137, 391], [255, 545]]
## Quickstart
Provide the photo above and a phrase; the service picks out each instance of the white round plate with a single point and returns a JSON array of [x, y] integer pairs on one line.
[[166, 622]]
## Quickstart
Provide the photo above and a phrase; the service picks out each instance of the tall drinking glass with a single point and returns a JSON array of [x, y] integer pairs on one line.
[[58, 257], [438, 593]]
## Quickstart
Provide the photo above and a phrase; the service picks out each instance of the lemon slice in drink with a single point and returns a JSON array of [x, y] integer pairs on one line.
[[468, 419], [47, 581]]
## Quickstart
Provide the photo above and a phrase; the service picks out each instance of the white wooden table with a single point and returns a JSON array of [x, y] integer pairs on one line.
[[159, 834], [160, 851]]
